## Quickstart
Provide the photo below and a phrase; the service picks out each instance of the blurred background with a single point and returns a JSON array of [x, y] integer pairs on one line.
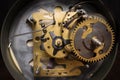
[[112, 5]]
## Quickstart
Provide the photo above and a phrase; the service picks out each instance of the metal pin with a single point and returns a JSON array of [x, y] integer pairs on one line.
[[87, 66], [37, 70], [97, 41]]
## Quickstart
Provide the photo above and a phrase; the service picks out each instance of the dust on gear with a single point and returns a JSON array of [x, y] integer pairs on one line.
[[92, 40]]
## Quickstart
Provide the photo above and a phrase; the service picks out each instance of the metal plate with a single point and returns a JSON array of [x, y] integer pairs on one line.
[[15, 23]]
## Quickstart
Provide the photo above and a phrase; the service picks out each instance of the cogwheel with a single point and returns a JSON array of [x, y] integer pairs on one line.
[[92, 40]]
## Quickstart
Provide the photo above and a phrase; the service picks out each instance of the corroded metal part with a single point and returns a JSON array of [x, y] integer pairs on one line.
[[92, 39]]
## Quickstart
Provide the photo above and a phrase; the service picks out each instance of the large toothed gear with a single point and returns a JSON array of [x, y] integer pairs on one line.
[[92, 40]]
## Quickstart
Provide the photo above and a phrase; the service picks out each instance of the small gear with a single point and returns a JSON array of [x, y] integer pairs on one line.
[[92, 39]]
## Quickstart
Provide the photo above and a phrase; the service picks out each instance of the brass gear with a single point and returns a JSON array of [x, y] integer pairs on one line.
[[92, 40]]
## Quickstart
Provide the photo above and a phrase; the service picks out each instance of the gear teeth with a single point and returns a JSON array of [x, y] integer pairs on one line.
[[79, 25]]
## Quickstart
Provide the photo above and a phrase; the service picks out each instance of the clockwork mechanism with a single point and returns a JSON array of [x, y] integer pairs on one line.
[[53, 40], [88, 38], [50, 46]]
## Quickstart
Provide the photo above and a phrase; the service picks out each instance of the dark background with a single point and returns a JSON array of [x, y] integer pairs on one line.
[[113, 6]]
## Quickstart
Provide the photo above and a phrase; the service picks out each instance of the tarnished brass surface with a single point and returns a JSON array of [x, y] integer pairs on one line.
[[58, 40], [70, 68], [38, 53], [42, 57], [63, 34], [55, 31], [98, 50]]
